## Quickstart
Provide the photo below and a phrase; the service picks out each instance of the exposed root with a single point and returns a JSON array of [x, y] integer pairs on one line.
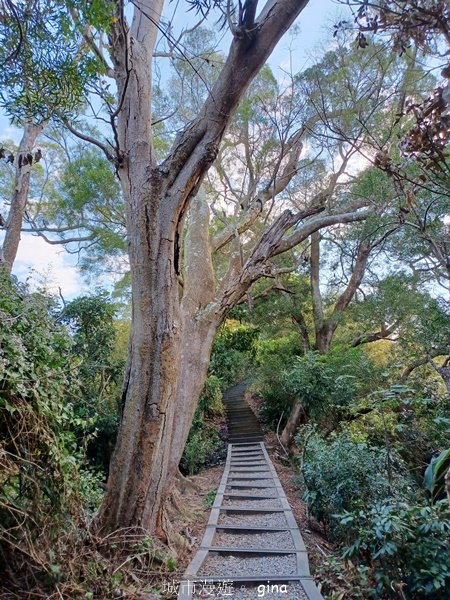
[[177, 512], [187, 486]]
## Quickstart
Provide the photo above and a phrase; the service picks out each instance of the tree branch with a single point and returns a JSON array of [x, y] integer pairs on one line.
[[312, 225], [275, 186], [418, 363], [86, 32], [368, 338], [197, 145], [90, 139]]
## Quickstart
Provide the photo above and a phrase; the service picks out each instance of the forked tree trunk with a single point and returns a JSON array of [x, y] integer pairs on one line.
[[324, 337], [325, 327], [172, 331]]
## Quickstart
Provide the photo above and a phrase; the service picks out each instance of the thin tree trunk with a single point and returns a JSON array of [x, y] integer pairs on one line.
[[19, 198], [295, 418], [418, 363], [447, 485], [299, 320], [444, 372], [315, 288]]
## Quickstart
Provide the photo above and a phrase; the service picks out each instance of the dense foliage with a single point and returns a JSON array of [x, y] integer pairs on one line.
[[362, 453], [59, 373], [100, 357], [41, 475]]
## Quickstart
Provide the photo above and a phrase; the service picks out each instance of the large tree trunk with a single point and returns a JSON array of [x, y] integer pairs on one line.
[[136, 484], [324, 337], [199, 323], [19, 198]]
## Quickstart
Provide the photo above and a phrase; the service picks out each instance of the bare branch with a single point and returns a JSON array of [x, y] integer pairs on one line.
[[90, 139], [305, 230], [196, 147]]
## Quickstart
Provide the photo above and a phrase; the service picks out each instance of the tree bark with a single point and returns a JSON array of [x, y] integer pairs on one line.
[[444, 372], [19, 198], [140, 462], [295, 418], [199, 321]]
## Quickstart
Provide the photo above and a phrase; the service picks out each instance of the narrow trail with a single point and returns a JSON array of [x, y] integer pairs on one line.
[[243, 426], [252, 547]]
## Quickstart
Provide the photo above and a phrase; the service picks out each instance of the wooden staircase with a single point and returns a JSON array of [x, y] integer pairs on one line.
[[243, 426]]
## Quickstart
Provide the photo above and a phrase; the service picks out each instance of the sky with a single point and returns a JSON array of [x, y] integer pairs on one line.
[[50, 265]]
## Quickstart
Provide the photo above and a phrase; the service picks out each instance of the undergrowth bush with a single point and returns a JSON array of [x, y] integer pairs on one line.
[[101, 363], [210, 403], [39, 479], [407, 545], [273, 357], [342, 475], [204, 438], [326, 385], [233, 353], [202, 443], [47, 493]]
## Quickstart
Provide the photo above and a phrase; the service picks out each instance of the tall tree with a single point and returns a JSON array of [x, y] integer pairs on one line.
[[171, 337], [72, 199], [177, 301], [22, 174], [46, 64]]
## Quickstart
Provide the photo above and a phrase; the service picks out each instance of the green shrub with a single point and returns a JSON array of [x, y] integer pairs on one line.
[[39, 480], [233, 353], [210, 403], [342, 475], [90, 320], [328, 384], [325, 384], [407, 545], [273, 357], [203, 438], [202, 442]]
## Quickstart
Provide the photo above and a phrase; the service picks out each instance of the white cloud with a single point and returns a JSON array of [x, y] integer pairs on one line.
[[10, 132], [49, 266]]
